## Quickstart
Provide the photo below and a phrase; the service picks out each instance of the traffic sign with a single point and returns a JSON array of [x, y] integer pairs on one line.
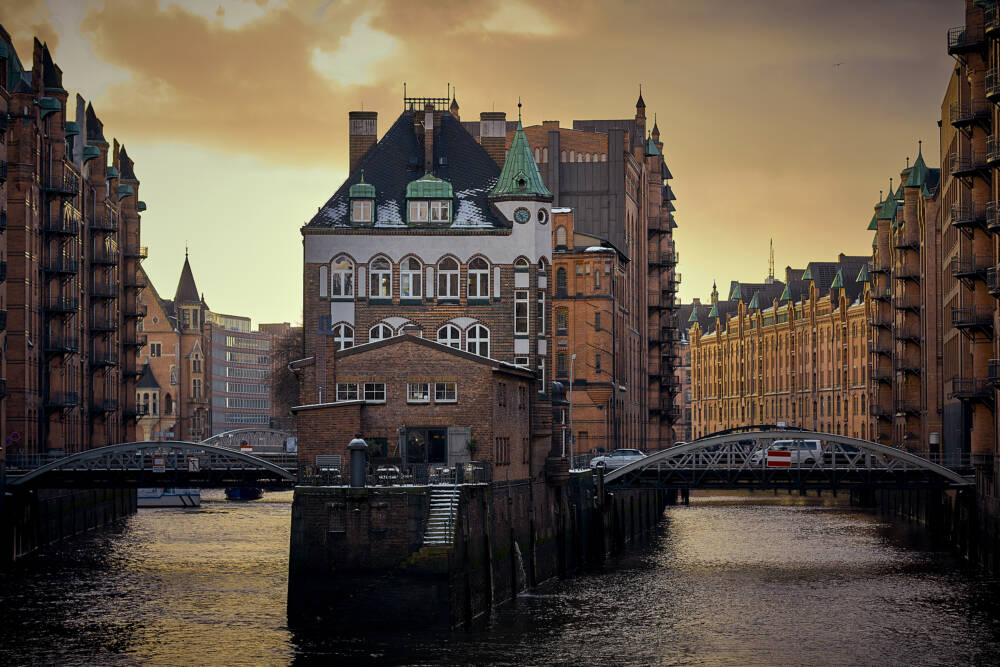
[[779, 459], [194, 464], [159, 464]]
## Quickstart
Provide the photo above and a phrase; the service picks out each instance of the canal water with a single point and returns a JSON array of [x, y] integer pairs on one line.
[[730, 580]]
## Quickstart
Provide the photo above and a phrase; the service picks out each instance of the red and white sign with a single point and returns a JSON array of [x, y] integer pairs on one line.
[[194, 464], [246, 449], [779, 459], [159, 464]]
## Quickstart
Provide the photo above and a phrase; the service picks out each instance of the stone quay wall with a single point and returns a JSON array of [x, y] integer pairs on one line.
[[357, 555]]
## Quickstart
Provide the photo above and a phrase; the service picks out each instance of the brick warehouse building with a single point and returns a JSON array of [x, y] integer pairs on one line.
[[793, 351], [613, 176], [429, 232], [70, 267]]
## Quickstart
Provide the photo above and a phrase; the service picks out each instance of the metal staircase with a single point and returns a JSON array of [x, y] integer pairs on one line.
[[440, 532]]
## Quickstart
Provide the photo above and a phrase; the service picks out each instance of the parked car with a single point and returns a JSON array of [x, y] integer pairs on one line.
[[616, 458], [803, 452]]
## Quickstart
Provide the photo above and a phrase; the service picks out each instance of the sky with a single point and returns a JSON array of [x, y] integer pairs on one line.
[[780, 119]]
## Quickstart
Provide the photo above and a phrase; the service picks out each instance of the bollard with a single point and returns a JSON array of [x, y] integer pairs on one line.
[[359, 461]]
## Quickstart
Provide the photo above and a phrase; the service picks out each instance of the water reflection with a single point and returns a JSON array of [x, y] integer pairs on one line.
[[776, 581]]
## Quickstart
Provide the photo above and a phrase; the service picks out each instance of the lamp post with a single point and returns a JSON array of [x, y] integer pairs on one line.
[[572, 435]]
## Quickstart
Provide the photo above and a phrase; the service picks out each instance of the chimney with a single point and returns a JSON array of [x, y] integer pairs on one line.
[[428, 138], [493, 134], [363, 128]]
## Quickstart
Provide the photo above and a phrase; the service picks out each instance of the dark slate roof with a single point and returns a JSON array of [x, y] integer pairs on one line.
[[52, 77], [95, 128], [766, 292], [147, 380], [398, 159], [126, 167], [187, 290]]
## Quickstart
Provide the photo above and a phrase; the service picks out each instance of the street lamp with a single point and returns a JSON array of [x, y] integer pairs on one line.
[[572, 435]]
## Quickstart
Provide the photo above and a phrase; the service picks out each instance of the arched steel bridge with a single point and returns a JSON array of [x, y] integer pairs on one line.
[[267, 440], [738, 460], [156, 464]]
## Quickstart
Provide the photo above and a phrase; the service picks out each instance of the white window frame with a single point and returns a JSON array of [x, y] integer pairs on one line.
[[418, 392], [343, 335], [522, 322], [474, 340], [380, 279], [376, 333], [411, 281], [478, 279], [440, 210], [524, 362], [372, 391], [419, 211], [541, 371], [341, 277], [441, 389], [541, 312], [361, 210], [448, 279], [348, 391], [455, 342]]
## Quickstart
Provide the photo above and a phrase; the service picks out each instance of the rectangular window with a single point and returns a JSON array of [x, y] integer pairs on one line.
[[521, 361], [541, 313], [418, 392], [375, 392], [541, 376], [521, 312], [418, 211], [196, 388], [562, 321], [440, 211], [196, 365], [155, 349], [562, 368], [347, 391], [597, 363], [445, 392], [362, 210], [597, 320]]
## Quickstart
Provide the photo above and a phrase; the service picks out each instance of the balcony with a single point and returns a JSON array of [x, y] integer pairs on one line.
[[103, 407], [653, 300], [906, 244], [139, 310], [907, 273], [62, 304], [908, 407], [669, 288], [65, 266], [882, 320], [104, 257], [103, 325], [907, 303], [62, 344], [910, 367], [668, 259], [991, 19], [966, 216], [883, 376], [135, 282], [908, 333], [62, 225], [992, 84], [133, 340], [103, 291], [992, 149], [880, 293], [135, 411], [993, 216], [971, 389], [993, 280], [136, 252], [974, 266], [973, 318], [879, 348], [66, 184], [62, 399], [105, 221], [964, 39], [882, 412], [994, 372], [970, 164], [670, 357], [100, 358], [131, 370]]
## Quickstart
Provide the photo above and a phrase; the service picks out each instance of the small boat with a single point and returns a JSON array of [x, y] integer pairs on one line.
[[244, 493], [157, 497]]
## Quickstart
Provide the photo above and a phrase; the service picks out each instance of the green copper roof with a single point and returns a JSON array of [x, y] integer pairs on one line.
[[49, 105], [888, 208], [863, 275], [3, 50], [651, 148], [427, 186], [141, 206], [90, 152], [694, 315], [875, 241], [715, 310], [72, 129], [808, 273], [899, 192], [362, 190], [873, 225], [918, 173], [112, 172], [838, 280], [125, 191], [519, 177], [755, 302], [785, 295], [736, 294]]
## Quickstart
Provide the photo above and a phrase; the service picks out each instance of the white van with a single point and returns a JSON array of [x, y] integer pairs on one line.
[[803, 452]]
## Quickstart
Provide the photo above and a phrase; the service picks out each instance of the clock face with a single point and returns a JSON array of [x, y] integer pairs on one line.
[[543, 216], [522, 215]]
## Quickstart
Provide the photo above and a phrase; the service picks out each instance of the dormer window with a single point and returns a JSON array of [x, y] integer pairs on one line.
[[362, 200], [361, 210], [440, 211], [429, 200]]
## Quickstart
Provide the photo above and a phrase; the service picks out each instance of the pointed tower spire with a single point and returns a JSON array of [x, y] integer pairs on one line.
[[187, 290], [715, 293], [770, 265], [656, 130], [520, 178]]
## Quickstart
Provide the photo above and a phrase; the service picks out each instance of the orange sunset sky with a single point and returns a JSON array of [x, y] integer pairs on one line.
[[780, 118]]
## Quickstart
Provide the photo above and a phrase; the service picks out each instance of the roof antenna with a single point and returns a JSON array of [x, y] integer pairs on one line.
[[907, 161], [518, 108], [770, 264], [185, 250]]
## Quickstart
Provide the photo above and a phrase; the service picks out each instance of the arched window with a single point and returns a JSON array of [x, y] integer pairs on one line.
[[379, 332], [448, 278], [561, 237], [562, 156], [561, 281], [410, 280], [381, 278], [477, 340], [538, 155], [450, 335], [604, 157], [168, 404], [342, 277], [343, 334], [586, 157], [521, 263], [545, 155], [479, 279], [572, 155]]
